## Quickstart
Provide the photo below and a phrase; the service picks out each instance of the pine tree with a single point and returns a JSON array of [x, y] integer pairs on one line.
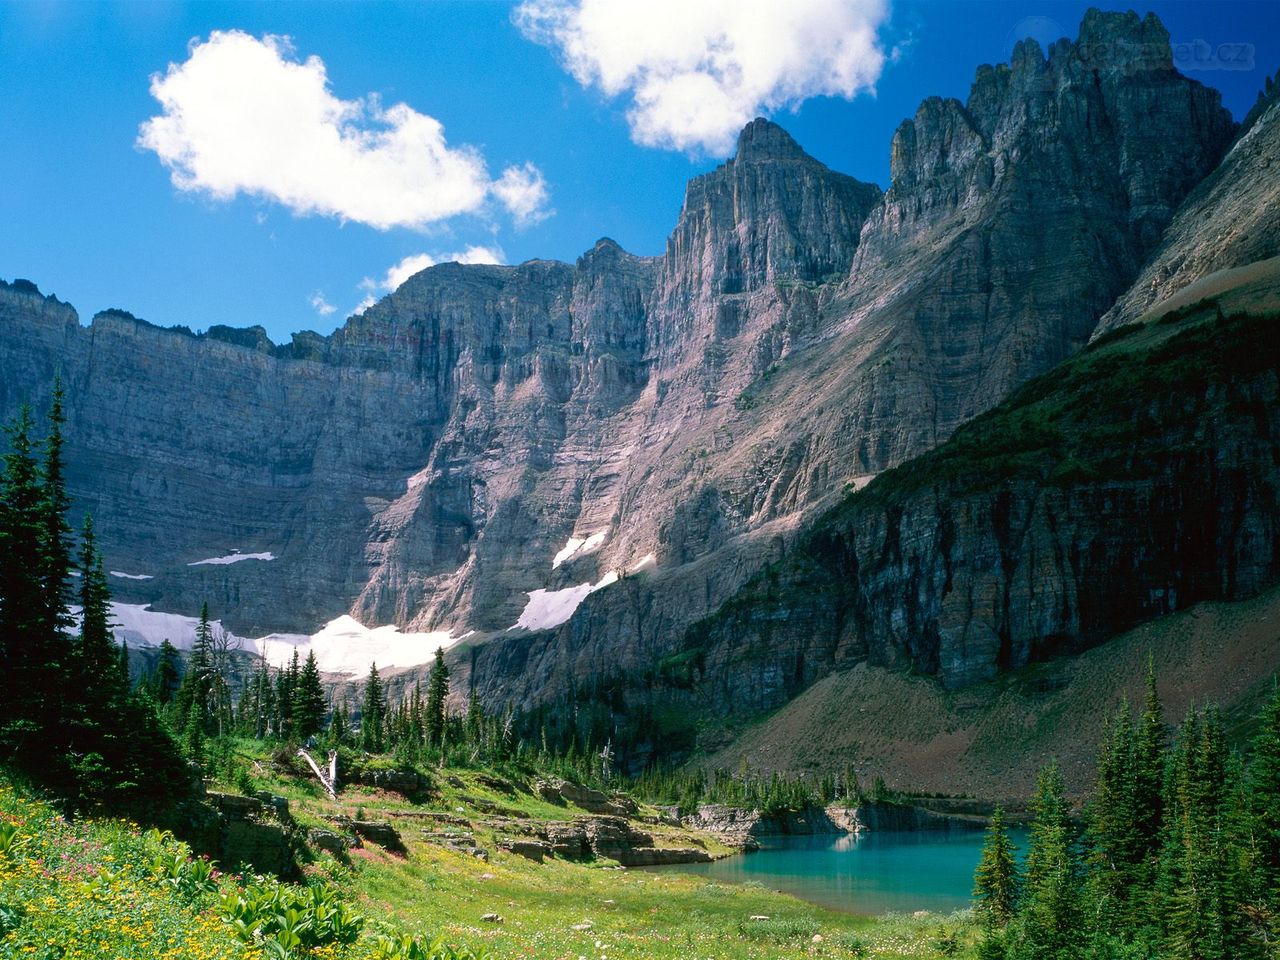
[[192, 699], [98, 663], [284, 703], [67, 715], [475, 721], [1118, 852], [1149, 758], [1050, 927], [1197, 855], [308, 700], [1264, 795], [55, 542], [995, 885], [373, 713], [416, 730], [166, 678], [339, 726], [437, 695], [30, 681]]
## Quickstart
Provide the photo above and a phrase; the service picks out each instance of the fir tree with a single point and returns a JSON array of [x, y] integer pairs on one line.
[[1050, 926], [166, 678], [996, 883], [437, 695], [373, 713], [30, 683], [98, 663], [475, 721], [55, 542], [1119, 853], [1151, 737], [192, 699], [1264, 796], [1195, 877], [416, 730], [339, 726], [308, 700]]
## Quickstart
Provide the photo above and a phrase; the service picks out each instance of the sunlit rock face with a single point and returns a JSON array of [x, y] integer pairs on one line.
[[424, 465]]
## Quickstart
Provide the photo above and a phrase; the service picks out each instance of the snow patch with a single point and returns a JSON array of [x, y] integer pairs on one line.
[[550, 608], [132, 576], [139, 626], [577, 547], [234, 558], [341, 646], [347, 646]]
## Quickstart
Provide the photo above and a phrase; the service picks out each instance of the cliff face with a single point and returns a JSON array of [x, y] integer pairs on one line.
[[802, 331], [1012, 224], [1136, 480]]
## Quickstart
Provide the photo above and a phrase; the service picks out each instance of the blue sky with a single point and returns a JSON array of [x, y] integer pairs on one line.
[[523, 134]]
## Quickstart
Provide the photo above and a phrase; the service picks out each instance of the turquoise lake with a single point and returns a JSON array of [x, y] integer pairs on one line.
[[870, 874]]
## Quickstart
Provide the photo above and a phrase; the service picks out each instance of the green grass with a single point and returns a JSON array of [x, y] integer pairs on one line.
[[103, 889], [559, 909]]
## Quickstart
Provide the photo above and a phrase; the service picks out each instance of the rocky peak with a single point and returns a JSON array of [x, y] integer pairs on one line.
[[763, 140], [1111, 41], [772, 214], [1105, 115]]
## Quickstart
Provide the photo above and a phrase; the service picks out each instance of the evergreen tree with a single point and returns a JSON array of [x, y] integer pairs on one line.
[[416, 731], [192, 700], [996, 883], [308, 700], [1118, 854], [475, 721], [437, 695], [1264, 796], [67, 716], [1050, 926], [339, 726], [373, 713], [284, 700], [1196, 859], [98, 674], [167, 677], [1151, 737], [55, 542], [30, 683]]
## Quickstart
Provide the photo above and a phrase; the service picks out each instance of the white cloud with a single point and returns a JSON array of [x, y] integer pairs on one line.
[[244, 115], [400, 272], [699, 70], [523, 191], [320, 304]]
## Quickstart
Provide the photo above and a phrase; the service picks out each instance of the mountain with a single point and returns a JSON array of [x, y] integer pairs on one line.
[[601, 454]]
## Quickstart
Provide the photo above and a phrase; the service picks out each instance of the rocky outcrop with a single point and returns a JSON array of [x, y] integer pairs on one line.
[[614, 838], [408, 782], [593, 801], [742, 828], [257, 832]]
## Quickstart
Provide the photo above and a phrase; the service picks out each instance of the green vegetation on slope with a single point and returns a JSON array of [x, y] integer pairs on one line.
[[104, 890], [1103, 414]]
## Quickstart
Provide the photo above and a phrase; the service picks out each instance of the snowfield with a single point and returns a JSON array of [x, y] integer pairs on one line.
[[341, 646], [233, 558], [550, 608], [347, 646], [132, 576]]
